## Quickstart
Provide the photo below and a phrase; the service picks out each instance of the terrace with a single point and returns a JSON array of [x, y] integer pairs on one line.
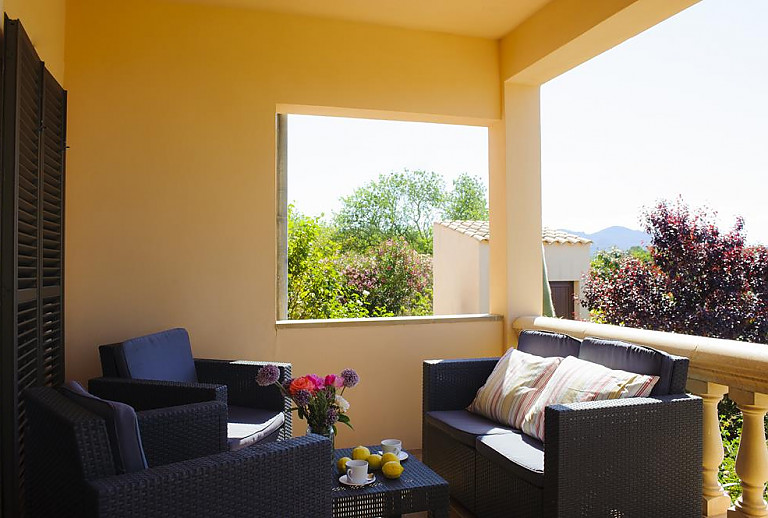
[[172, 192]]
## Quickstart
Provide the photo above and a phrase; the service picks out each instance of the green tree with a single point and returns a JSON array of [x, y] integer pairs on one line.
[[401, 204], [316, 288], [467, 200]]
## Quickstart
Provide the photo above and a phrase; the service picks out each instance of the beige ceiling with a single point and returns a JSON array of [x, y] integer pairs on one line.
[[483, 18]]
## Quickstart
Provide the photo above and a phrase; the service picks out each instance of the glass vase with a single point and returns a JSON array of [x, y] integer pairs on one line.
[[325, 432]]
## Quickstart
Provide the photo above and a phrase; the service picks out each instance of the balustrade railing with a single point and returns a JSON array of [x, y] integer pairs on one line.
[[717, 367]]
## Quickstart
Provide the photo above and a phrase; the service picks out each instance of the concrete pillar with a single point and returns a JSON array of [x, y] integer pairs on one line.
[[715, 501], [522, 200], [752, 459]]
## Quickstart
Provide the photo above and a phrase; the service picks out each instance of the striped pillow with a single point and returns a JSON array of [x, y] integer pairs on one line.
[[513, 386], [579, 380]]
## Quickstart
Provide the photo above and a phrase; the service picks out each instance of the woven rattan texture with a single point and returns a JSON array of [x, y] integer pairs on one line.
[[281, 479], [453, 461], [242, 389], [452, 384], [502, 495], [286, 478], [149, 394], [183, 432], [417, 489], [630, 458], [65, 445]]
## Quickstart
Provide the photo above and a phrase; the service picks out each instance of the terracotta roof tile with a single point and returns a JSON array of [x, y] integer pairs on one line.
[[480, 231]]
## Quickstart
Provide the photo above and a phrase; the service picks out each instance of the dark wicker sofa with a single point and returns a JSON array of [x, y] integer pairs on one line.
[[627, 458], [72, 471]]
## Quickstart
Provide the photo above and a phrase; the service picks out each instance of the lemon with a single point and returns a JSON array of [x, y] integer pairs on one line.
[[374, 462], [341, 464], [361, 453], [389, 457], [392, 469]]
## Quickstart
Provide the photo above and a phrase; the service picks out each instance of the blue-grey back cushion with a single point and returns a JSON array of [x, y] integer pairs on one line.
[[542, 343], [615, 354], [165, 356], [122, 427]]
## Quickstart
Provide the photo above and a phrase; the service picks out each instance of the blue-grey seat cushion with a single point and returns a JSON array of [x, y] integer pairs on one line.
[[517, 453], [542, 343], [465, 426], [246, 426], [122, 427], [165, 356], [615, 354]]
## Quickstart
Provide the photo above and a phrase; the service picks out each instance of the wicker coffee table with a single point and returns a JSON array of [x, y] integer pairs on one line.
[[418, 489]]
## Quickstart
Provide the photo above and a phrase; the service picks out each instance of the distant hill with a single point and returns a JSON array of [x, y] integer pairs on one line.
[[620, 237]]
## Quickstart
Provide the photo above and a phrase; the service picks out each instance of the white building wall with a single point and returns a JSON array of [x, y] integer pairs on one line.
[[460, 279], [461, 267], [568, 262]]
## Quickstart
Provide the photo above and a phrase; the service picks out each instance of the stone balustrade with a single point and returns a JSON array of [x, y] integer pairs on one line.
[[717, 367]]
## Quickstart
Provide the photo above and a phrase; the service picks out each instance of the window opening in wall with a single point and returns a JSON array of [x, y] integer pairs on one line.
[[367, 210]]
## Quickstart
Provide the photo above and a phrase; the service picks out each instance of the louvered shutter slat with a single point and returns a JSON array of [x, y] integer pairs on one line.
[[33, 157]]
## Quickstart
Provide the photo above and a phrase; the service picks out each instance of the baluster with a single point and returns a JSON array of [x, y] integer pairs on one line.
[[752, 459], [715, 501]]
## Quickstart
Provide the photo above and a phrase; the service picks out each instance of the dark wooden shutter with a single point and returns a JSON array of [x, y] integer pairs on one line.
[[562, 298], [31, 241]]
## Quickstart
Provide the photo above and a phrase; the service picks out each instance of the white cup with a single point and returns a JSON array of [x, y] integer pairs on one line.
[[391, 446], [357, 471]]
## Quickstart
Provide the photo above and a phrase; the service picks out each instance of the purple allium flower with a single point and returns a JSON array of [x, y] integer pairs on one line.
[[268, 375], [331, 416], [302, 397], [350, 377]]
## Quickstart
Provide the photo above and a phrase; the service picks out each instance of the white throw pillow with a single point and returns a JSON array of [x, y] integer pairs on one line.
[[579, 380], [513, 387]]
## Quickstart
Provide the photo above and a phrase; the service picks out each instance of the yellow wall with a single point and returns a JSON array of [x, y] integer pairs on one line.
[[171, 178], [387, 403], [171, 174], [44, 21], [566, 33]]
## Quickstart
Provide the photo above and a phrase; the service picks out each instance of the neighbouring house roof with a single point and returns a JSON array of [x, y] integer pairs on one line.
[[480, 231]]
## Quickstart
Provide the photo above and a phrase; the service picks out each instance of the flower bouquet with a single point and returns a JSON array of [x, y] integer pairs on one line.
[[316, 398]]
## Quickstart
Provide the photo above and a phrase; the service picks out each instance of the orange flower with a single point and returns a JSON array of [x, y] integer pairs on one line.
[[303, 383]]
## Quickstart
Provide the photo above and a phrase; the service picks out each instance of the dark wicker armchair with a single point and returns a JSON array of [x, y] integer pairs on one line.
[[628, 458], [70, 469], [158, 370]]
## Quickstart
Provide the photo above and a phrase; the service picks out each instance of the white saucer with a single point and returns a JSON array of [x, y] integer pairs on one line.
[[403, 455], [371, 479]]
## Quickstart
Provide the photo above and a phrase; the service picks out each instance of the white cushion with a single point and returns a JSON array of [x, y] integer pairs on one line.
[[577, 380], [513, 387], [247, 428]]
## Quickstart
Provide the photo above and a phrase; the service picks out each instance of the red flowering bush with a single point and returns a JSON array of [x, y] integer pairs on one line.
[[391, 279]]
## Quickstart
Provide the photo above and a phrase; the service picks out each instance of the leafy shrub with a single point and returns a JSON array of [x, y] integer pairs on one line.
[[393, 278], [316, 289]]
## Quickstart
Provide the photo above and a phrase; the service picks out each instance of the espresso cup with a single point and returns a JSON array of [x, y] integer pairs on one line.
[[357, 471], [391, 446]]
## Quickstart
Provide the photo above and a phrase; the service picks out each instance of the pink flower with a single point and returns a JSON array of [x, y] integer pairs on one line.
[[332, 380], [317, 380]]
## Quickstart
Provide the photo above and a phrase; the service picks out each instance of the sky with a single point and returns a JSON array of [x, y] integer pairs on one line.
[[679, 110], [353, 152]]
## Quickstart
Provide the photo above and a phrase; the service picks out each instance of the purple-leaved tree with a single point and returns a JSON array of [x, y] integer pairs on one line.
[[698, 279]]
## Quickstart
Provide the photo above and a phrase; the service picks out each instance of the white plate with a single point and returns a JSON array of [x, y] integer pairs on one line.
[[401, 457], [371, 479]]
